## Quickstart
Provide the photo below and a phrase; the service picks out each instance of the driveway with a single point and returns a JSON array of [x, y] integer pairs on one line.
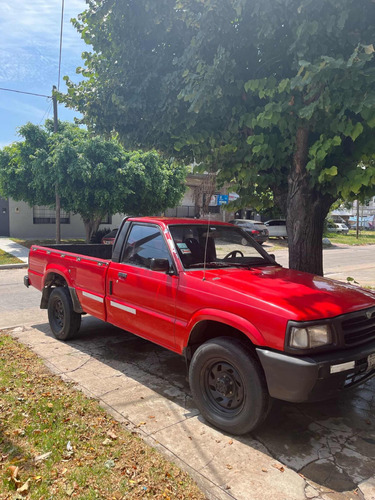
[[321, 451]]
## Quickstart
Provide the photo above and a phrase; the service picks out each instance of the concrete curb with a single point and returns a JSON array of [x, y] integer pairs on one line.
[[13, 266]]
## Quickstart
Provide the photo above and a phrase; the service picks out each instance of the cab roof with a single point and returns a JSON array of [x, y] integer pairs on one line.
[[168, 221]]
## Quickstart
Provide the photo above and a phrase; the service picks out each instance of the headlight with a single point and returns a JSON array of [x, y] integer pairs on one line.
[[310, 336]]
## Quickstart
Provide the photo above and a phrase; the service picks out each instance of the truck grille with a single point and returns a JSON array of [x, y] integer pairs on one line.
[[359, 327]]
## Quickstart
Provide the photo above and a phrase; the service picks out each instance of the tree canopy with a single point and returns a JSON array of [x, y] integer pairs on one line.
[[278, 96], [96, 177]]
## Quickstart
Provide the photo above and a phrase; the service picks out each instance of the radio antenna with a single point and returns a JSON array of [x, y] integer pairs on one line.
[[206, 246]]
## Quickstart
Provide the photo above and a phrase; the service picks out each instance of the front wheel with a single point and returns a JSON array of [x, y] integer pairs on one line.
[[228, 385], [63, 320]]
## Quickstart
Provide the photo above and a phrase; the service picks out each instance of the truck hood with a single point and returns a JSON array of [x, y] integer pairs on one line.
[[297, 295]]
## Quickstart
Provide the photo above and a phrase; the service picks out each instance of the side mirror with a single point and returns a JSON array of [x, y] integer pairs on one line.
[[272, 255], [159, 265]]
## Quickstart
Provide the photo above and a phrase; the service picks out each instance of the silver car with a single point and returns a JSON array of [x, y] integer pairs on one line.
[[276, 228]]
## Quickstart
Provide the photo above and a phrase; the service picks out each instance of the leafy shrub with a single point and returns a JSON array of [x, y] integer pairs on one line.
[[98, 235]]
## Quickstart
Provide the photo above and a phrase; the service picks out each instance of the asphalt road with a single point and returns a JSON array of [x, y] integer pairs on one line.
[[341, 262], [331, 444], [18, 305]]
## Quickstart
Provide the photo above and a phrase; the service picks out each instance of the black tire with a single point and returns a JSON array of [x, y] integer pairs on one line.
[[228, 385], [64, 322]]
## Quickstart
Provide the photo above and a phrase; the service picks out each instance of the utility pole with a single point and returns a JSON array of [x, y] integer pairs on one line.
[[357, 226], [57, 202]]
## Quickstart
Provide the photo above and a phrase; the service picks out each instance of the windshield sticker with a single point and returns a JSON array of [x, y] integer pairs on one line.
[[183, 248]]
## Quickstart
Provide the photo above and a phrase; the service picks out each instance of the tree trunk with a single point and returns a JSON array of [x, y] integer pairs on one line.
[[91, 225], [307, 209]]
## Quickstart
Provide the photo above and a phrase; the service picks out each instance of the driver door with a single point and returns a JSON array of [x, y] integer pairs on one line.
[[139, 299]]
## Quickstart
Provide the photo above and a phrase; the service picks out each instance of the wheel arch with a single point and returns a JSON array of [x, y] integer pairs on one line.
[[52, 280], [210, 326]]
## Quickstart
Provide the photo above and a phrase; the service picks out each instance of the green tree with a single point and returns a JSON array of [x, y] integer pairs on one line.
[[278, 96], [95, 176]]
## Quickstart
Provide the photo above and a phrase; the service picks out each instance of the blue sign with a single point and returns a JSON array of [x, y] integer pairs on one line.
[[222, 199]]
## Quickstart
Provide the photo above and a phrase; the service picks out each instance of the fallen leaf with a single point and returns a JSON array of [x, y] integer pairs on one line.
[[112, 435], [141, 423], [107, 442], [229, 467], [42, 457], [24, 489], [264, 470], [69, 490], [231, 441], [279, 467], [13, 471]]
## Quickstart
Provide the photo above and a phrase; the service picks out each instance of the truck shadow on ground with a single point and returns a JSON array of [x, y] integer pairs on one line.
[[331, 443]]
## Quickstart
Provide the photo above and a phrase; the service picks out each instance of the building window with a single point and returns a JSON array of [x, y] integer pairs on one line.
[[106, 220], [46, 215]]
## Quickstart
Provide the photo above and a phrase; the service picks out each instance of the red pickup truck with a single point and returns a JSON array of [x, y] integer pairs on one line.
[[249, 329]]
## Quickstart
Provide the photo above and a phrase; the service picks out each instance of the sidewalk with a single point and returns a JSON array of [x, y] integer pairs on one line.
[[16, 250], [225, 467]]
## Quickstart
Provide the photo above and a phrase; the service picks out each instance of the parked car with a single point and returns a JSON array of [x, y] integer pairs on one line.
[[276, 228], [255, 228], [336, 227], [109, 238]]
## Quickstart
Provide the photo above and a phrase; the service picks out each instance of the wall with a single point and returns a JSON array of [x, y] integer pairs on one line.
[[22, 226]]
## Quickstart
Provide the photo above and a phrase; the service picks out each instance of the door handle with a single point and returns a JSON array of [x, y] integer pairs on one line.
[[123, 275]]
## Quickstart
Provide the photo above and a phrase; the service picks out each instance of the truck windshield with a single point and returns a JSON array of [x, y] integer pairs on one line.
[[216, 246]]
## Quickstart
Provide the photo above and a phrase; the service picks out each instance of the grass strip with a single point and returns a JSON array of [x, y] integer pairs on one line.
[[57, 443], [7, 258], [364, 238]]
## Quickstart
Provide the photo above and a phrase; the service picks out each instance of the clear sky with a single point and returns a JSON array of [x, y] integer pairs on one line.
[[29, 56]]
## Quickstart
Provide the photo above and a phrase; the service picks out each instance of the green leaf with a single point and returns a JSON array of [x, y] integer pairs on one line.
[[327, 174], [356, 131]]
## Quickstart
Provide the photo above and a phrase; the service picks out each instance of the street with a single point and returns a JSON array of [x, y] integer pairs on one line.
[[341, 262], [319, 450]]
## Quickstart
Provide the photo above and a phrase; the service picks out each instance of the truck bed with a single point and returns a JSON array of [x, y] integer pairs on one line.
[[83, 266], [90, 250]]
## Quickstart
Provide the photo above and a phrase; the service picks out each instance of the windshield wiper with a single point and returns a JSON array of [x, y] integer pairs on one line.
[[213, 264], [247, 265]]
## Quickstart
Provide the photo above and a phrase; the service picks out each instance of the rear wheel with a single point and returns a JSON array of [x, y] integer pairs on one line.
[[228, 385], [63, 320]]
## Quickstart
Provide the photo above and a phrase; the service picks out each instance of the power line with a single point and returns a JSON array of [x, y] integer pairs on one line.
[[46, 114], [28, 93]]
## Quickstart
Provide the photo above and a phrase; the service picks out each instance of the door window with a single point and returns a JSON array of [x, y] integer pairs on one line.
[[145, 243]]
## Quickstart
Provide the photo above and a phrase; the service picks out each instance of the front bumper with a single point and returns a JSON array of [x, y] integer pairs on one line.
[[315, 378]]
